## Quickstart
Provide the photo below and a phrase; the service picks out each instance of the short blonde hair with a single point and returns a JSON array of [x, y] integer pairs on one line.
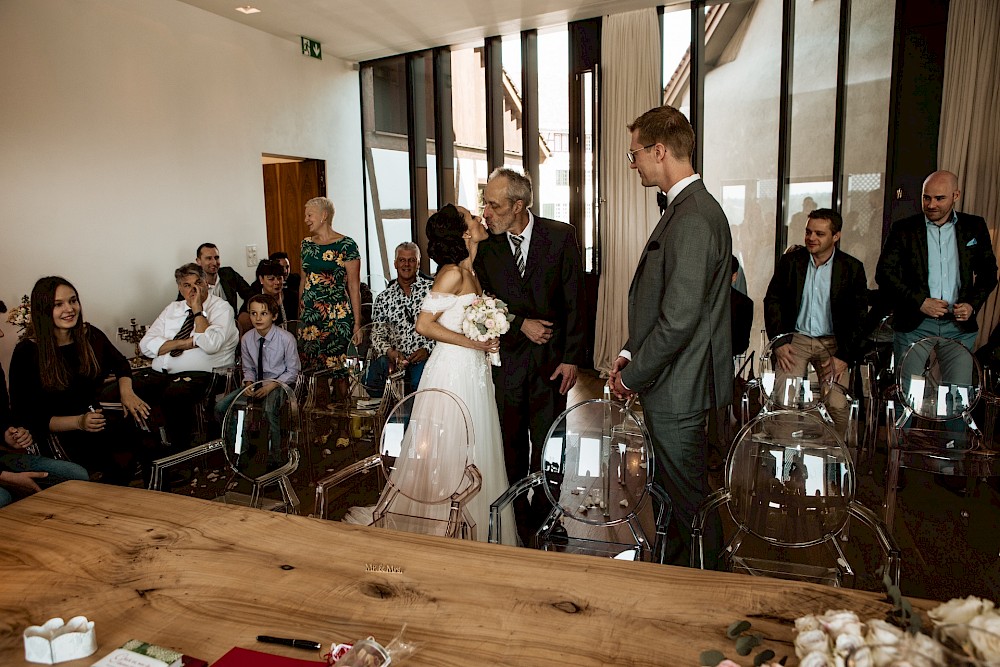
[[323, 204]]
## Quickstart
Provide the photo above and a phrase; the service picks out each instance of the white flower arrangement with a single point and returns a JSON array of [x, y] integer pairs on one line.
[[486, 318], [21, 315], [970, 626], [965, 630]]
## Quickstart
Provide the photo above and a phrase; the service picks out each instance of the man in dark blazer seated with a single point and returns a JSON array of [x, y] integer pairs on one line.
[[534, 265], [679, 352], [820, 295], [937, 269], [223, 281]]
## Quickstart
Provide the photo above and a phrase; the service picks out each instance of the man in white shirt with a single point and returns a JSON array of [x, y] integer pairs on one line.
[[187, 341]]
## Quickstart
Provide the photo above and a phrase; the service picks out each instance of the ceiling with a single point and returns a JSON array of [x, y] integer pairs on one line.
[[358, 30]]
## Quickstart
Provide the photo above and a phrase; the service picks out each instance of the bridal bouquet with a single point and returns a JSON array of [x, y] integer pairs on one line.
[[486, 318]]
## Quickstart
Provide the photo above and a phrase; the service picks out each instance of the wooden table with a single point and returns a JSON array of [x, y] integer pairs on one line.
[[203, 577]]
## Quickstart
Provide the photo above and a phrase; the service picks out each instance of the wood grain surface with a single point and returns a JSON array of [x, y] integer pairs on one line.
[[203, 577]]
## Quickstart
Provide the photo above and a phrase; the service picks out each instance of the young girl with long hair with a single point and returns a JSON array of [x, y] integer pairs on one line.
[[57, 381]]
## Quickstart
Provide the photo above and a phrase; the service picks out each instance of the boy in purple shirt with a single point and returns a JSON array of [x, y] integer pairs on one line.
[[269, 355]]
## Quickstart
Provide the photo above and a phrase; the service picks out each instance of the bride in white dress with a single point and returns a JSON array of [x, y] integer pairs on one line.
[[460, 365]]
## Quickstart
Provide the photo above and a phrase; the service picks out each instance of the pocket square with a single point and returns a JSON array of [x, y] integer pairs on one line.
[[655, 245], [970, 243]]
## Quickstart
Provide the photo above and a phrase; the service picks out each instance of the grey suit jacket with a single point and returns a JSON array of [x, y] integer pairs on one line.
[[678, 309]]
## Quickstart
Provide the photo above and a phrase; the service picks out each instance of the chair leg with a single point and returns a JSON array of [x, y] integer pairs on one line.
[[891, 484]]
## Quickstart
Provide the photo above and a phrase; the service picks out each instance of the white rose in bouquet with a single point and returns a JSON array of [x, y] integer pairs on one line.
[[985, 636], [841, 622], [957, 613], [812, 641]]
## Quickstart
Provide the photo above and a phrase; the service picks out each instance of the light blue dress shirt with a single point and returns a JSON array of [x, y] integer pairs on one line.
[[815, 314], [942, 260]]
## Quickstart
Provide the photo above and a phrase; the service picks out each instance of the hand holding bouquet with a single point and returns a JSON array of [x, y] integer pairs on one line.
[[486, 318]]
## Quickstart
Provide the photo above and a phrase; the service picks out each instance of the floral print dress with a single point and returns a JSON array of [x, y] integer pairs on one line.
[[327, 320]]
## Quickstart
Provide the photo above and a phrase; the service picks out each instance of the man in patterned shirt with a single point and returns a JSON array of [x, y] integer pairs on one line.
[[398, 306]]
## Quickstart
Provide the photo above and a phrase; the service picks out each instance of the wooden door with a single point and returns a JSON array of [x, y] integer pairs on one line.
[[287, 187]]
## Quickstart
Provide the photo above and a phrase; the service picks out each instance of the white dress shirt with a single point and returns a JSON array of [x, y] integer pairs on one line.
[[215, 289], [213, 347]]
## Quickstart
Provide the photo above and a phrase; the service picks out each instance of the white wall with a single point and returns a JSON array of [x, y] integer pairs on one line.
[[131, 131]]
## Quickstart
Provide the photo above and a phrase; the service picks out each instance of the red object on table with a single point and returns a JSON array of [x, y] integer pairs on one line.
[[242, 657]]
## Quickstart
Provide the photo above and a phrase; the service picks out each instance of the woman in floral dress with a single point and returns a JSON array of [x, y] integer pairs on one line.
[[331, 295]]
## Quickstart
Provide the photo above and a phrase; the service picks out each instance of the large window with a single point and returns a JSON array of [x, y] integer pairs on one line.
[[769, 170], [513, 146], [552, 192], [469, 116], [869, 73], [813, 118], [742, 82], [387, 162]]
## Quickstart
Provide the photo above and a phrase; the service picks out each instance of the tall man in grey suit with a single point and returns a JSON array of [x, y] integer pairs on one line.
[[679, 351]]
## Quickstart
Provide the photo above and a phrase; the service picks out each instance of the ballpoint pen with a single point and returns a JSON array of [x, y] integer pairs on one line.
[[294, 643]]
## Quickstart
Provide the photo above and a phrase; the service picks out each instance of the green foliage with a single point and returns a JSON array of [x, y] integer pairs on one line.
[[737, 628], [763, 657], [902, 614], [710, 658], [745, 643]]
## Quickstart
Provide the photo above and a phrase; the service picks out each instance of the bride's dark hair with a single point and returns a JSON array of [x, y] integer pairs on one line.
[[445, 230]]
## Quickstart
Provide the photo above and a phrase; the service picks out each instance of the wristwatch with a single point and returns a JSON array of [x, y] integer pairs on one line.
[[200, 313]]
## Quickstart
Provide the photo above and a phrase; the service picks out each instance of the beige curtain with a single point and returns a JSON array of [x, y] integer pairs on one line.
[[630, 85], [969, 142]]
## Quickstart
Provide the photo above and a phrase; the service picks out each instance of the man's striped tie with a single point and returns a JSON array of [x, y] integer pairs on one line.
[[185, 332], [518, 255]]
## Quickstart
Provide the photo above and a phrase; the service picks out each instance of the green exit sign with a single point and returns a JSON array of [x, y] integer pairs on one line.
[[311, 47]]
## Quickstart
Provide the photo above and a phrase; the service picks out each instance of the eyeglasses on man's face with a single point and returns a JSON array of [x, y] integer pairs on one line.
[[631, 154]]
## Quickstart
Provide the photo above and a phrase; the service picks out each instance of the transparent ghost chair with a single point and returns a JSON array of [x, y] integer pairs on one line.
[[790, 483], [812, 390], [877, 378], [424, 472], [260, 436], [347, 405], [930, 424], [597, 473]]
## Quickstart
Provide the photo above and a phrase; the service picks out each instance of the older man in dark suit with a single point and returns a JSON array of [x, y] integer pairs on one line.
[[534, 265], [937, 268], [679, 351]]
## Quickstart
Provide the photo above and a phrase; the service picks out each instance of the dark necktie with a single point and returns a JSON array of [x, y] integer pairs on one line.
[[260, 359], [518, 255], [661, 201], [185, 332]]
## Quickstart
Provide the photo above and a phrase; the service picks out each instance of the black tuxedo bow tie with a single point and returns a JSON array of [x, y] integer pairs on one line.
[[661, 201]]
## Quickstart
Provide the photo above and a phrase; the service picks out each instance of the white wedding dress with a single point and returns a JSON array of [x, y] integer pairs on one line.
[[467, 374]]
